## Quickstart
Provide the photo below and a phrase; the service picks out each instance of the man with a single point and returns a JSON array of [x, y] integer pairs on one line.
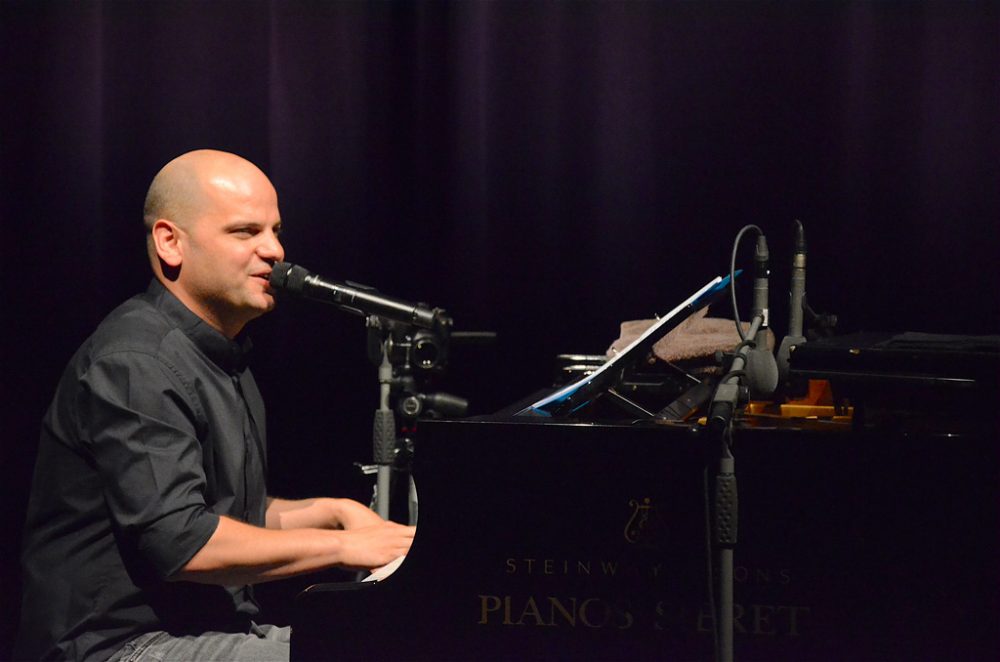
[[149, 521]]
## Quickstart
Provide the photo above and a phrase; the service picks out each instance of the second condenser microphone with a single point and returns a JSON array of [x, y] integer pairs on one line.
[[796, 297], [300, 282]]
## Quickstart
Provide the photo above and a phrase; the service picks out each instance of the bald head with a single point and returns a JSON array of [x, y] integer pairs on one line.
[[185, 186]]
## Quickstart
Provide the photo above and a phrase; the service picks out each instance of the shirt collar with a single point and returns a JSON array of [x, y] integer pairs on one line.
[[230, 355]]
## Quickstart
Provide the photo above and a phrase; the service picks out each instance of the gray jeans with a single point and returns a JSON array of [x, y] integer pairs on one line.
[[264, 643]]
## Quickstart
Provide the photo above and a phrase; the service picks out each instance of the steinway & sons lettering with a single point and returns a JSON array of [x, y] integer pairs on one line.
[[580, 568], [615, 569]]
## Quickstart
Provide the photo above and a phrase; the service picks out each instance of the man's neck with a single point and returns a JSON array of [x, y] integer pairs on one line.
[[228, 328]]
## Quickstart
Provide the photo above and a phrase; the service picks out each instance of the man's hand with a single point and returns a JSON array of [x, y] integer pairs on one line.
[[238, 553], [371, 547], [320, 513], [351, 514]]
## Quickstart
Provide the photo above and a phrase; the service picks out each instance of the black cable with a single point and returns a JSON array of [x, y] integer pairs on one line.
[[731, 374], [732, 276]]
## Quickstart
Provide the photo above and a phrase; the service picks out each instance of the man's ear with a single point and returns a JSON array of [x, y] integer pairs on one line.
[[166, 242]]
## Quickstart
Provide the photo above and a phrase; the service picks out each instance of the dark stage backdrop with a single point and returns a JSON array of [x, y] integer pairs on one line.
[[544, 170]]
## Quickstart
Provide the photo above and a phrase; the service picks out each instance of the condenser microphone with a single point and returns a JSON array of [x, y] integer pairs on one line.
[[796, 297], [761, 371], [353, 298], [761, 367]]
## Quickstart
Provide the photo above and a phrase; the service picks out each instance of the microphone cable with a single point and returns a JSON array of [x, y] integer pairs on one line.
[[732, 275]]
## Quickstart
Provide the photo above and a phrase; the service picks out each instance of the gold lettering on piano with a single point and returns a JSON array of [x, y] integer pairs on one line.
[[760, 620], [761, 576], [579, 568], [553, 611], [766, 617]]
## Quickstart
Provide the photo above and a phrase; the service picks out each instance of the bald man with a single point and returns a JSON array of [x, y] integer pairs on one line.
[[149, 521]]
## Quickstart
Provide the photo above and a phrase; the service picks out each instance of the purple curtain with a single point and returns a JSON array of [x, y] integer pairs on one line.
[[545, 170]]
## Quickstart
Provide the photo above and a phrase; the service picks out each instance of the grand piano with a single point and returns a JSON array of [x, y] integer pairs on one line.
[[868, 536]]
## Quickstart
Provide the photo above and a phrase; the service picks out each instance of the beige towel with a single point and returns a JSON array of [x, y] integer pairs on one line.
[[696, 337]]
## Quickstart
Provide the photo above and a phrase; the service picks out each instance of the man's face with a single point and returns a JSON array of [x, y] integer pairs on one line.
[[229, 247]]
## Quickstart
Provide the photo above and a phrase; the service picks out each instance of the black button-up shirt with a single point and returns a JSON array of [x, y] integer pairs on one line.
[[156, 429]]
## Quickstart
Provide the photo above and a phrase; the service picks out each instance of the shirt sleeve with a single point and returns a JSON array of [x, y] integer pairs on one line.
[[138, 422]]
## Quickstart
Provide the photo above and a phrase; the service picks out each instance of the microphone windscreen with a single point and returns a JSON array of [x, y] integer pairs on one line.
[[296, 279], [279, 274], [761, 373], [287, 276]]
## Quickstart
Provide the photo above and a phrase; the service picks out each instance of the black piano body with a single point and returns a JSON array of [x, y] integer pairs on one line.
[[555, 540]]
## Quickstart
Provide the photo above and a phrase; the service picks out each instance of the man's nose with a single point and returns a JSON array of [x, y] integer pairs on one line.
[[270, 248]]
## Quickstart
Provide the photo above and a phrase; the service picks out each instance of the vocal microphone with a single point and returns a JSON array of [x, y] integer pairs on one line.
[[761, 368], [352, 298], [795, 303]]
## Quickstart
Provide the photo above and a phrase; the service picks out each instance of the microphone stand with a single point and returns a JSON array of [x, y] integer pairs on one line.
[[383, 432], [728, 396], [404, 354], [402, 337]]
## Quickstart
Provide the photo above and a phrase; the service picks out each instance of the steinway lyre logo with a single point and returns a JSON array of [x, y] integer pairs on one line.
[[637, 523]]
